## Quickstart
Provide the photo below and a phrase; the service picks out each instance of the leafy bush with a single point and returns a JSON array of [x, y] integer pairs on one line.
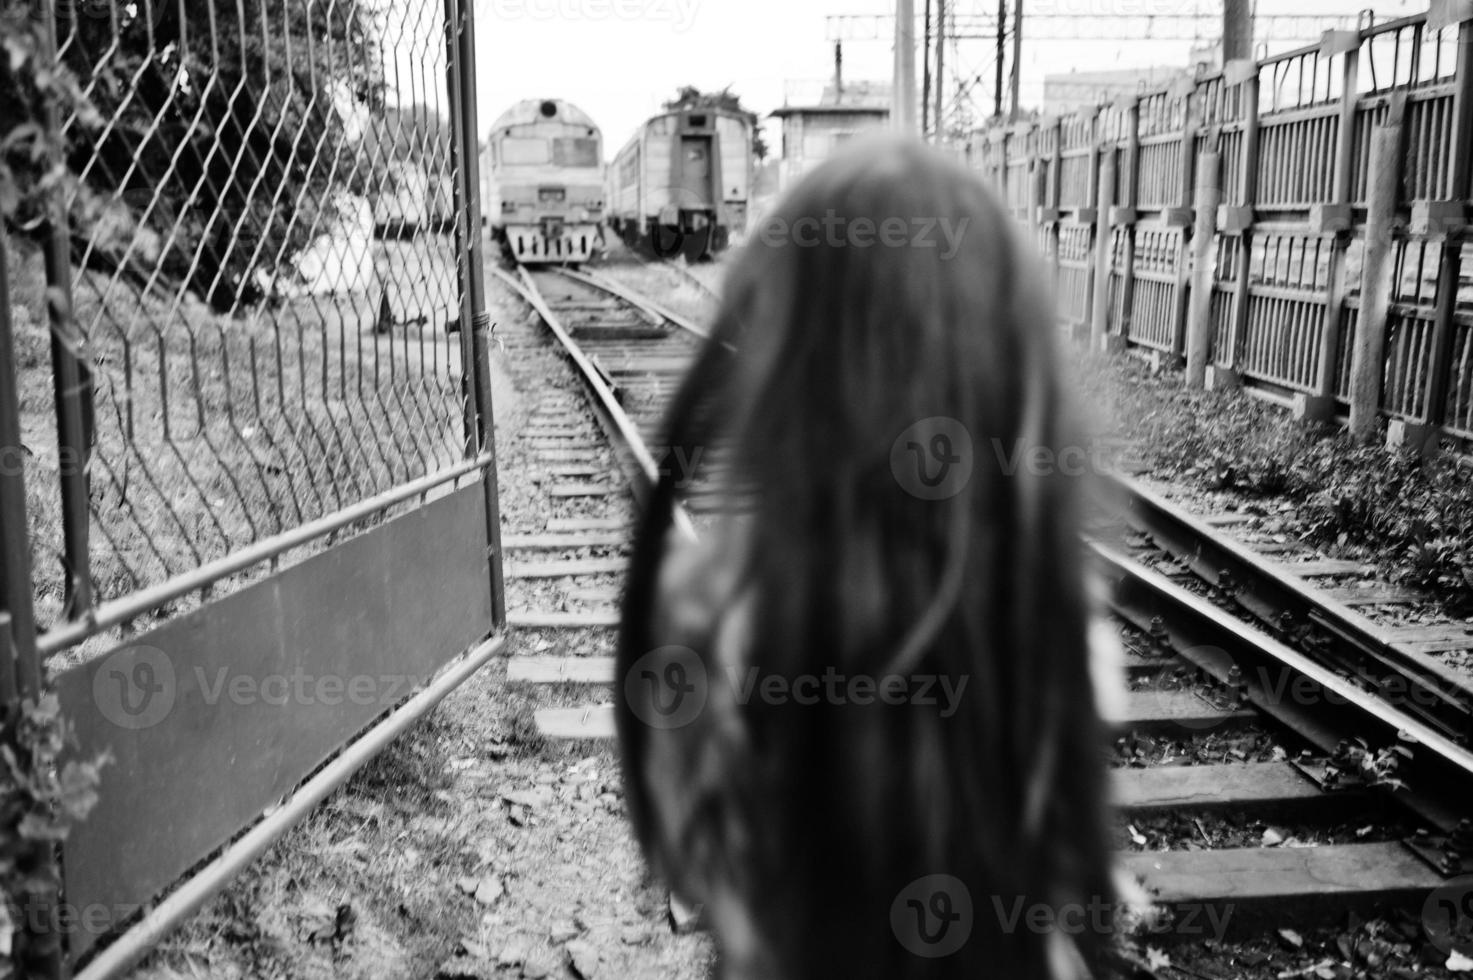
[[1411, 516], [39, 800], [207, 140]]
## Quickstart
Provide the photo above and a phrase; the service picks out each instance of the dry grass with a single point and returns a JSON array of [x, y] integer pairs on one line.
[[663, 283], [215, 432]]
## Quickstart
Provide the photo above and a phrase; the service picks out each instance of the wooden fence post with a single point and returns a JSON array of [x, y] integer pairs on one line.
[[1204, 240], [1104, 242], [1368, 357]]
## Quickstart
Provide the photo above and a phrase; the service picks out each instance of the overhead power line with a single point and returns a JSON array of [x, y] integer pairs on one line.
[[1099, 27]]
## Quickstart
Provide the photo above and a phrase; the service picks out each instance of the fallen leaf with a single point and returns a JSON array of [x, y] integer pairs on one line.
[[489, 890]]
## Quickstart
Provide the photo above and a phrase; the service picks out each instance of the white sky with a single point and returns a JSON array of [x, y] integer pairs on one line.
[[619, 59]]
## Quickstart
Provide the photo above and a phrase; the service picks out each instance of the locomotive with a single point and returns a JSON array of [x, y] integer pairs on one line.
[[545, 188], [681, 185]]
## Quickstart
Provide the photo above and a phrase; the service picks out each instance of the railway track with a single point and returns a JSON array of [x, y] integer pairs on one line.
[[1280, 752]]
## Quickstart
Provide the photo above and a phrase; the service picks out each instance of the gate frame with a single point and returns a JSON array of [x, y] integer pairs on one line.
[[23, 649]]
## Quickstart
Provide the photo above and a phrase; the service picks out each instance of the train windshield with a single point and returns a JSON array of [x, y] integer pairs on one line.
[[560, 151]]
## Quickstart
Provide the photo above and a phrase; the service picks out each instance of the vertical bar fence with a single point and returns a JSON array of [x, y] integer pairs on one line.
[[1294, 134]]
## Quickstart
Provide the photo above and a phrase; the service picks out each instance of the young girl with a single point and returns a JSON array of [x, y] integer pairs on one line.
[[857, 720]]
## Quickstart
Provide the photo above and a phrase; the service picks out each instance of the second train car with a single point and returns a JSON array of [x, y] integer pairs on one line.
[[545, 182], [681, 185]]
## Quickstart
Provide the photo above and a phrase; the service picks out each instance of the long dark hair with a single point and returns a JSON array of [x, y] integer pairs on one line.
[[852, 354]]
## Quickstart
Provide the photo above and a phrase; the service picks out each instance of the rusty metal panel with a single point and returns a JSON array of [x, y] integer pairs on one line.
[[215, 716]]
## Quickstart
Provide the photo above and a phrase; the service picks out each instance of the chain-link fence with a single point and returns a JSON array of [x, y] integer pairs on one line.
[[235, 279]]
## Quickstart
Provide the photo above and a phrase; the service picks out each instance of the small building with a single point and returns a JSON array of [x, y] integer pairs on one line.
[[812, 132]]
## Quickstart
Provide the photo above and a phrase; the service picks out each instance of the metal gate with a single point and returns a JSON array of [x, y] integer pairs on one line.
[[250, 524]]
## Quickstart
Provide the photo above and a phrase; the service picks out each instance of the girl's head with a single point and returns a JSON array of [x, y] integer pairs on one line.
[[891, 426]]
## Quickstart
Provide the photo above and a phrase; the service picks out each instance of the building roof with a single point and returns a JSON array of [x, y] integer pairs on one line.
[[831, 110]]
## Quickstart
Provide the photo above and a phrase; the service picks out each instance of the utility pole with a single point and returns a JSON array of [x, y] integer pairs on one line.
[[1237, 30], [940, 69], [903, 106], [926, 75], [1002, 33], [838, 72], [1017, 57]]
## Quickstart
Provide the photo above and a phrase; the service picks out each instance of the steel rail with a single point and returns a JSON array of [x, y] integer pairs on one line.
[[1439, 776], [605, 398], [119, 611], [1441, 771], [145, 934], [649, 306], [1270, 592]]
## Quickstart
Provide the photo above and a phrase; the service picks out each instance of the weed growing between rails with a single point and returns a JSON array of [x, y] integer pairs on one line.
[[1411, 518]]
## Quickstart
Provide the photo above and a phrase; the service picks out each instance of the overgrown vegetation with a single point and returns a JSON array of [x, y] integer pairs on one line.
[[1411, 516], [40, 798], [206, 139], [690, 97]]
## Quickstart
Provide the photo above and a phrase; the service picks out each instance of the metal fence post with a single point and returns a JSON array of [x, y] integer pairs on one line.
[[475, 320], [1053, 195], [1237, 219], [1099, 324], [1368, 358], [1181, 217], [1335, 217], [71, 374], [1204, 247], [1448, 224], [21, 677], [1123, 215], [1036, 198]]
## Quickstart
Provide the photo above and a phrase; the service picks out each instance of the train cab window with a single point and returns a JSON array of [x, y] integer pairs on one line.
[[568, 151], [524, 151]]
